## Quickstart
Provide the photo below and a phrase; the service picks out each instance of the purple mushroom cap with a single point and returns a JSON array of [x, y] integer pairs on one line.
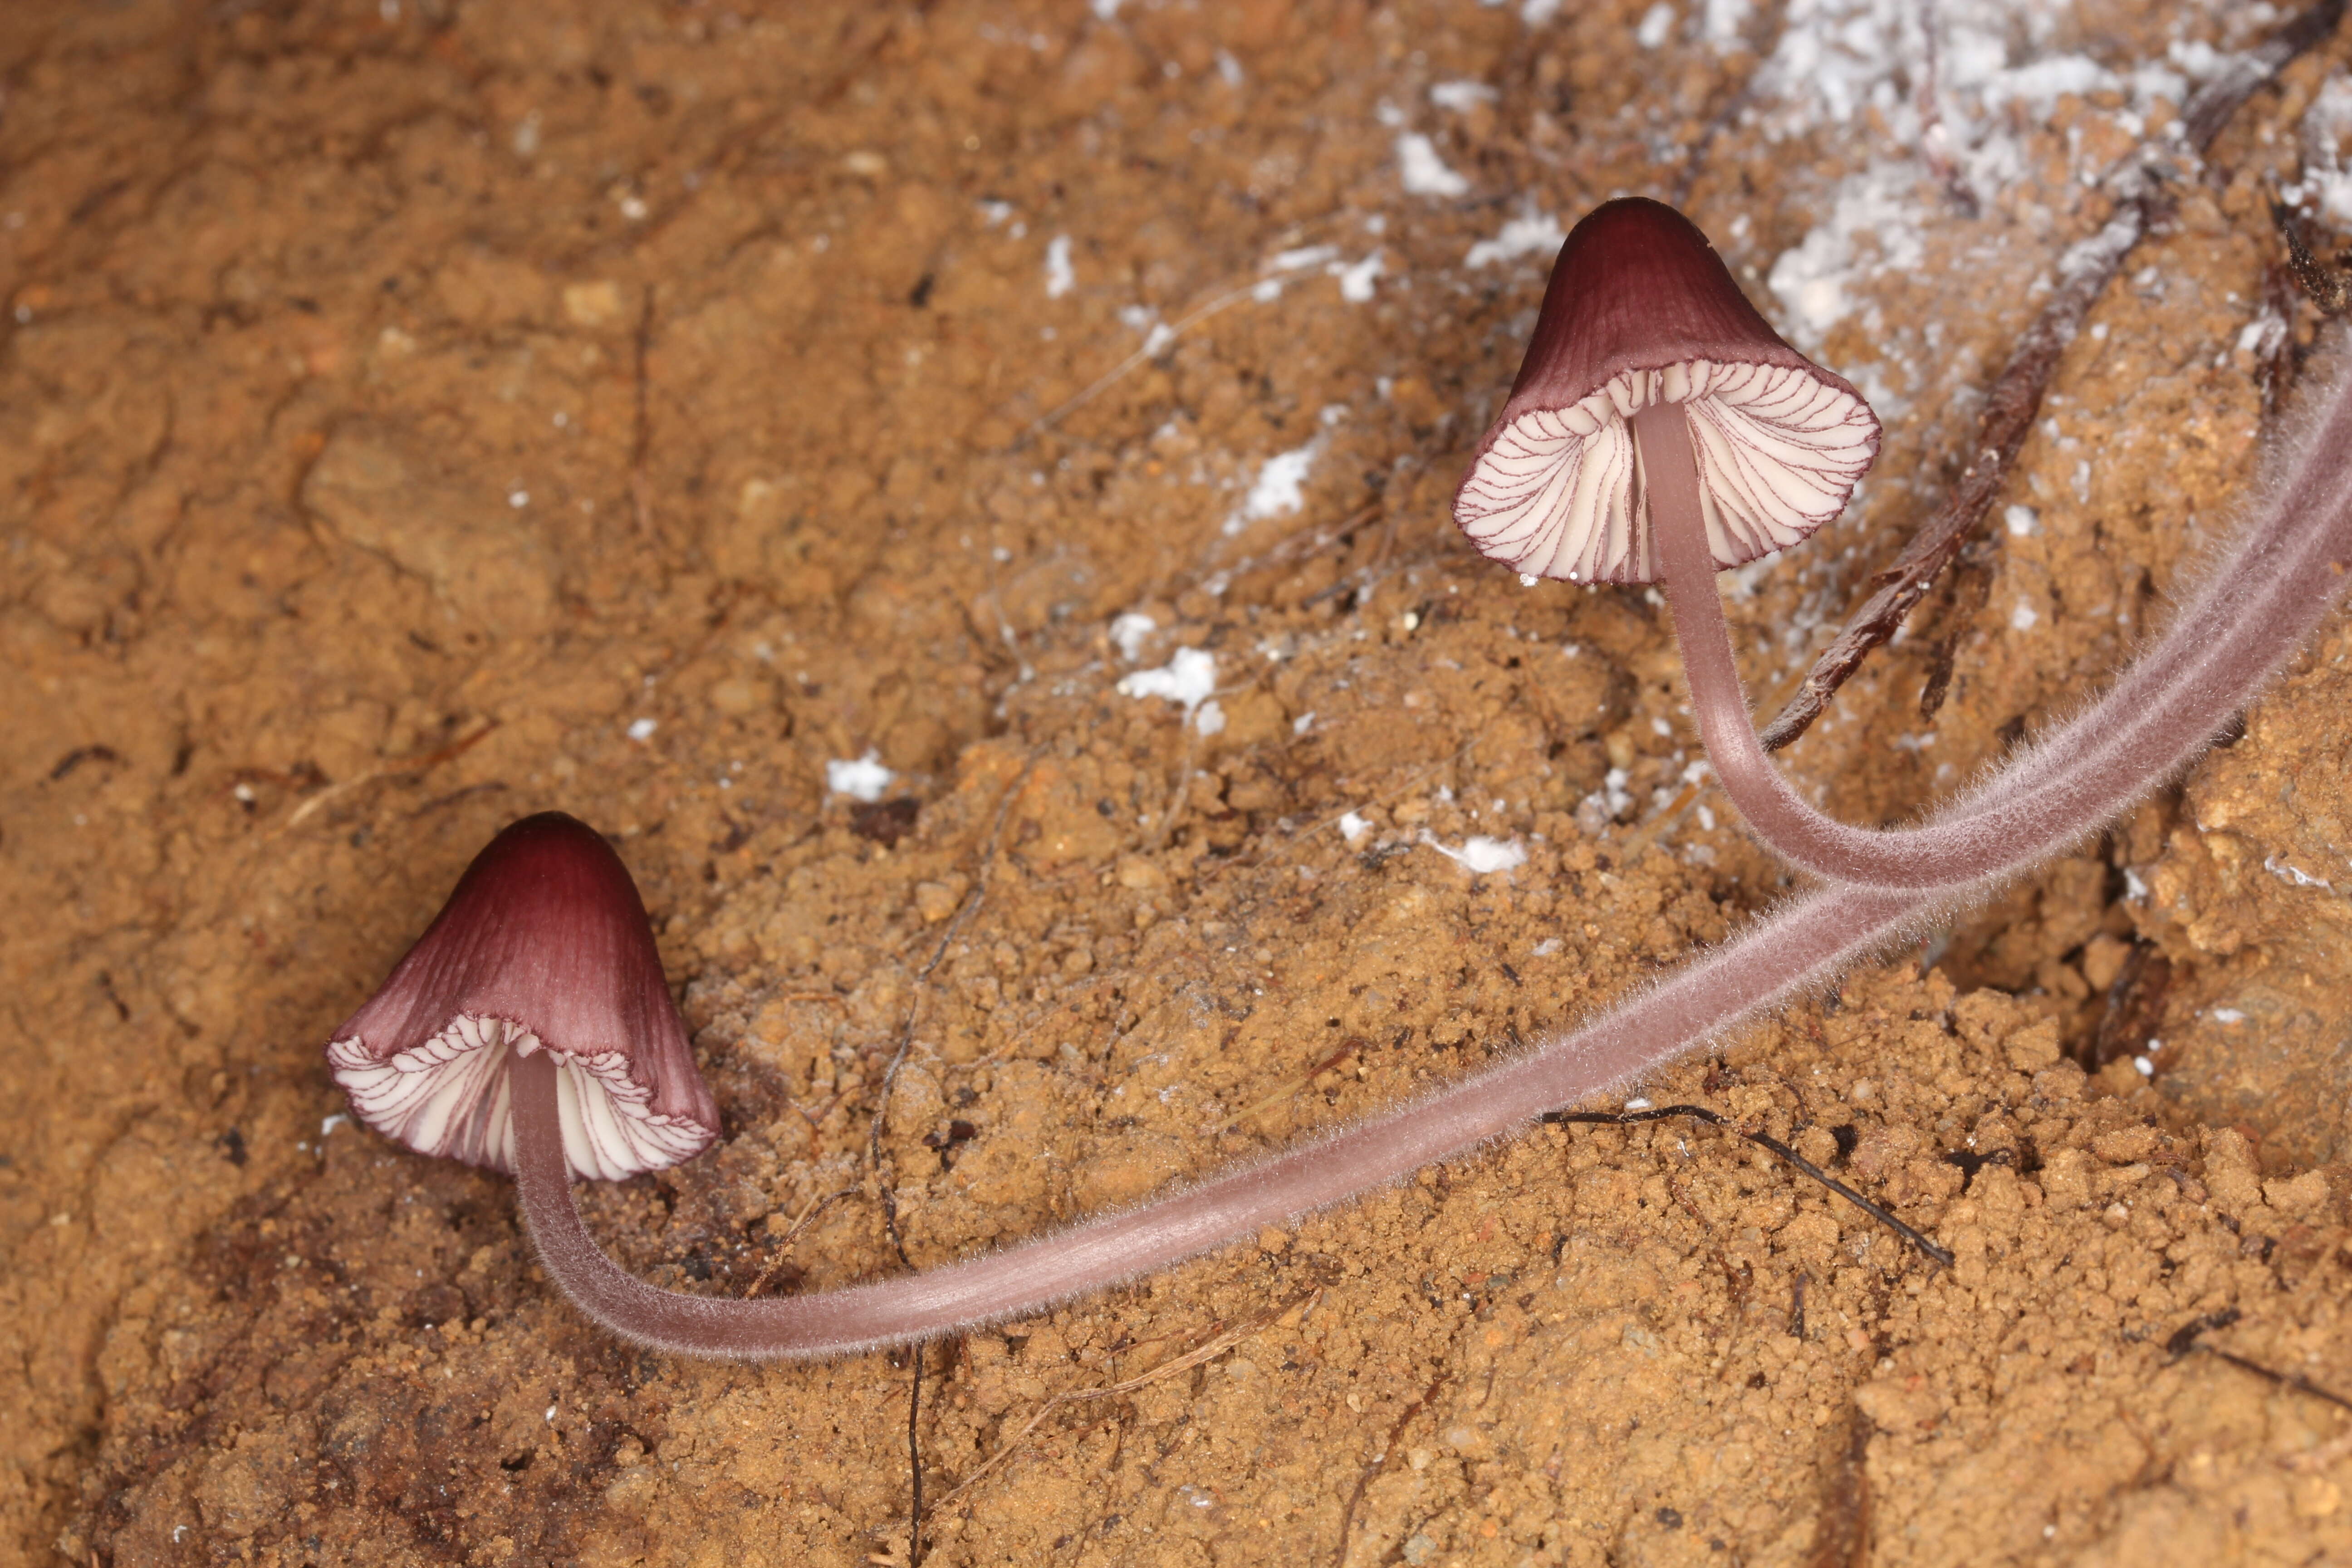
[[1640, 310], [544, 945]]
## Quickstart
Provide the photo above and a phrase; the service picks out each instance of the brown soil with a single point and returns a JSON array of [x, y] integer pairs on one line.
[[399, 403]]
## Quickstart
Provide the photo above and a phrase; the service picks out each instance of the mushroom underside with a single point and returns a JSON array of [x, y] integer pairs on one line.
[[451, 1096], [1559, 491]]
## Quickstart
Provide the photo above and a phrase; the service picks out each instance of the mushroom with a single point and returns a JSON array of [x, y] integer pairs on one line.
[[1643, 343], [530, 1030], [544, 949], [542, 953], [1661, 431]]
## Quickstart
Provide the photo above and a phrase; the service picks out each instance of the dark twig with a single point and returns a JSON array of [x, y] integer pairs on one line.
[[2137, 187], [2278, 357], [2189, 1337], [2328, 284], [1971, 586], [1762, 1141], [1365, 1477], [641, 435], [914, 1460], [1207, 1351]]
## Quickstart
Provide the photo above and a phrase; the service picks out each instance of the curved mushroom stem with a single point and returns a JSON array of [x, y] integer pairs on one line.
[[1802, 944], [2164, 710], [2283, 573]]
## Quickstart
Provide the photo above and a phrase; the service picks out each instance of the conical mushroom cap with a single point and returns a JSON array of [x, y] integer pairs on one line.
[[543, 946], [1641, 310]]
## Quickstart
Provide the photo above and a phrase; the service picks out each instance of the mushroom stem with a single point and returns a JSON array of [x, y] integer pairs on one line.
[[1802, 944], [2286, 571], [1686, 562], [2249, 616]]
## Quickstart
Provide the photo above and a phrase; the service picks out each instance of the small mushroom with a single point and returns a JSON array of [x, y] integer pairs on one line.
[[545, 938], [1645, 350], [1661, 431], [530, 1030], [543, 949]]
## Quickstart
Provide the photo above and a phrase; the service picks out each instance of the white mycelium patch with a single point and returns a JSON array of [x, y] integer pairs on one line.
[[451, 1096], [1559, 494]]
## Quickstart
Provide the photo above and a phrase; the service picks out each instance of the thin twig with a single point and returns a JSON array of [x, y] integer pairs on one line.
[[1102, 383], [1640, 838], [785, 1247], [2328, 286], [1762, 1141], [881, 1120], [915, 1003], [914, 1460], [412, 765], [1347, 1049], [1365, 1477], [1180, 795], [641, 438], [2137, 186], [1190, 1358], [2290, 1380], [2189, 1337]]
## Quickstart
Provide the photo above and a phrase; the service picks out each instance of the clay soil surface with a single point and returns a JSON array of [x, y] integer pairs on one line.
[[695, 417]]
